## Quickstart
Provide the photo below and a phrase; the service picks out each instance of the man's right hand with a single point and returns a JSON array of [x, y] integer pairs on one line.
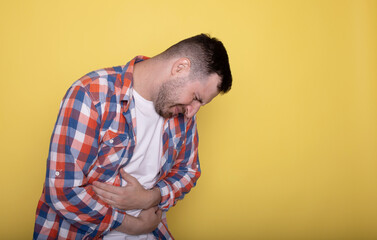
[[146, 222], [132, 196]]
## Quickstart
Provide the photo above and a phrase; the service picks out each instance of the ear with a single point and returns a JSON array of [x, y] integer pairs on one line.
[[181, 67]]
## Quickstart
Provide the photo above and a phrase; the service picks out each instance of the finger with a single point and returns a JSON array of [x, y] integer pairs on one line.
[[128, 177], [109, 201], [107, 187], [105, 194]]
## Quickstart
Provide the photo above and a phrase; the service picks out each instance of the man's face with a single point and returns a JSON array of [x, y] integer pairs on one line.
[[185, 96]]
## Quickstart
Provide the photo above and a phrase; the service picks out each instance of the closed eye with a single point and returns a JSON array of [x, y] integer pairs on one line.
[[197, 99]]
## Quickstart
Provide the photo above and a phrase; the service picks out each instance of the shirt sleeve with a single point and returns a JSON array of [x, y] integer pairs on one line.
[[184, 172], [73, 152]]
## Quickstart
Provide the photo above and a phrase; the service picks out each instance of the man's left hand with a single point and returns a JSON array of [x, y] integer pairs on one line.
[[132, 196]]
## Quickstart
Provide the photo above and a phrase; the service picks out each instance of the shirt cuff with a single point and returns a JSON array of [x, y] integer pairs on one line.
[[167, 195]]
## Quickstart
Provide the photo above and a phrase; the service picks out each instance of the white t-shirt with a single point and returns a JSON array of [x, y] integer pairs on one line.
[[146, 160]]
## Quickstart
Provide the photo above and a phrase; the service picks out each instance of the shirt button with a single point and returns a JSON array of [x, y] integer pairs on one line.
[[111, 140], [57, 173]]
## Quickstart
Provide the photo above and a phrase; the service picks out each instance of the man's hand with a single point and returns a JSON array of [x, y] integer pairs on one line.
[[146, 222], [132, 196]]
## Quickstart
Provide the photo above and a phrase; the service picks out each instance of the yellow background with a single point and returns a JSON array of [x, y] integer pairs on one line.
[[290, 153]]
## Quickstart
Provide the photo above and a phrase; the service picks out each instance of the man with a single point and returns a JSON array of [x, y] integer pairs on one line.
[[125, 145]]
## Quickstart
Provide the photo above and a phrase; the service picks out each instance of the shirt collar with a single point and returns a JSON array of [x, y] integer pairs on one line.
[[127, 78]]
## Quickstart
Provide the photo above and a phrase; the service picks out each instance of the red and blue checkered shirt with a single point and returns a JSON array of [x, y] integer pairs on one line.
[[94, 137]]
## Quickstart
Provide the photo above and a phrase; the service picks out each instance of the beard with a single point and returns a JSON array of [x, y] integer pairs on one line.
[[167, 97]]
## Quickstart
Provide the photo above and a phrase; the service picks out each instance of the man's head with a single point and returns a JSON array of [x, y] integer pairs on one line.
[[199, 72]]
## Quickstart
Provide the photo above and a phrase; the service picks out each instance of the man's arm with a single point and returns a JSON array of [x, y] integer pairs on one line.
[[177, 182], [146, 222], [73, 150], [185, 170]]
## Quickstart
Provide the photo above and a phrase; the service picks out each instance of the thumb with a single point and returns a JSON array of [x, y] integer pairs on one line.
[[155, 208], [127, 177], [159, 213]]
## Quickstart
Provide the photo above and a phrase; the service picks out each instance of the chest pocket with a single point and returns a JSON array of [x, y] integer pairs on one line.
[[112, 149]]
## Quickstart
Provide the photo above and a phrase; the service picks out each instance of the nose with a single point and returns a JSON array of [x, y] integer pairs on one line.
[[192, 109]]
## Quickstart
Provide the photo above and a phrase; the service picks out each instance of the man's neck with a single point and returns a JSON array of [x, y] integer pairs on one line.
[[145, 78]]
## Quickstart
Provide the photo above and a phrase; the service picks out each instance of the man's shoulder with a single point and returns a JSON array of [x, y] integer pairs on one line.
[[180, 124], [101, 76], [102, 82]]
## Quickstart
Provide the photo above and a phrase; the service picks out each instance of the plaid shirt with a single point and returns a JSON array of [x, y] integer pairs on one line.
[[95, 136]]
